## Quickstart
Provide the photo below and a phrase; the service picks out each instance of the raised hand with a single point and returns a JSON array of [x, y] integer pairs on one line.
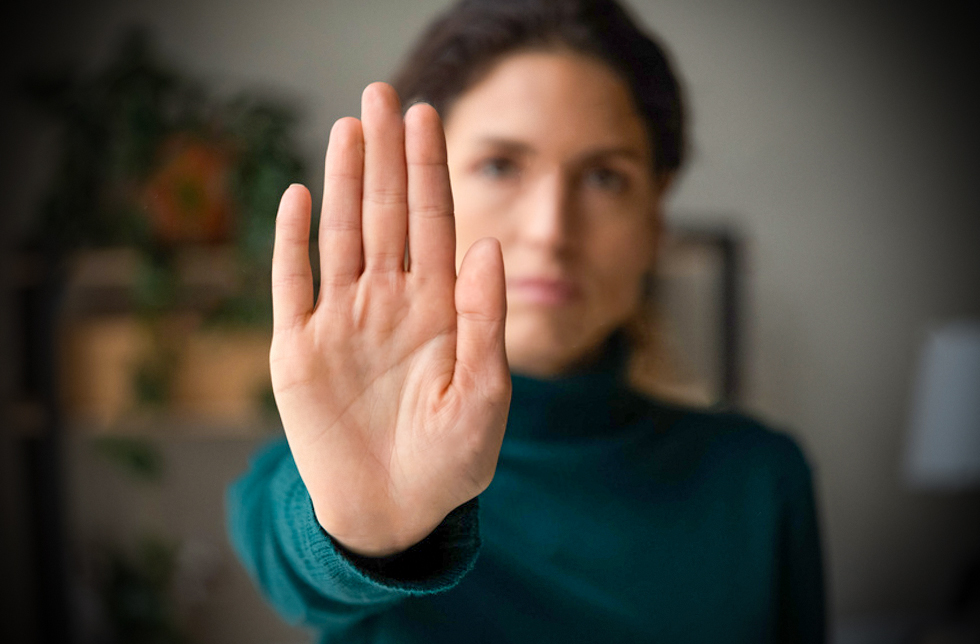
[[393, 388]]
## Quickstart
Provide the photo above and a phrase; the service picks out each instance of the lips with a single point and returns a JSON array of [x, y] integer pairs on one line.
[[541, 290]]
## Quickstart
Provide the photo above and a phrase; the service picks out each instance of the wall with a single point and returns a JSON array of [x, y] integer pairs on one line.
[[837, 137]]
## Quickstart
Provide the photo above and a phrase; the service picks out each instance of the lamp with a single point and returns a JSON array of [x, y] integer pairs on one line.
[[943, 450]]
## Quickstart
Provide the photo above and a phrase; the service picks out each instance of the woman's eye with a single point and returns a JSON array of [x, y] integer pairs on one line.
[[498, 168], [606, 179]]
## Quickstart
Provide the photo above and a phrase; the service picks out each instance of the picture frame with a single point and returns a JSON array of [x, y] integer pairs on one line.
[[694, 319]]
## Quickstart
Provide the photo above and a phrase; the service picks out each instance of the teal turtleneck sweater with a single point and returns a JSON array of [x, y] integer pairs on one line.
[[612, 517]]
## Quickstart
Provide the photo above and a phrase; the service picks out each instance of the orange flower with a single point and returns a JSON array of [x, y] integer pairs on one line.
[[188, 199]]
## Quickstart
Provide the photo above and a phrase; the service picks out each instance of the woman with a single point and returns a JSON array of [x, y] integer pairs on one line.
[[611, 516]]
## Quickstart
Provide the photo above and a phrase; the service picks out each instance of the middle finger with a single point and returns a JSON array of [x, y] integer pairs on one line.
[[385, 206]]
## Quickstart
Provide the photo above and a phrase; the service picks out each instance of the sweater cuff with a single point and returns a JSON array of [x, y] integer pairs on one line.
[[434, 565]]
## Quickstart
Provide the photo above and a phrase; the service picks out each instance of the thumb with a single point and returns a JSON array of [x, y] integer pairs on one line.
[[481, 309]]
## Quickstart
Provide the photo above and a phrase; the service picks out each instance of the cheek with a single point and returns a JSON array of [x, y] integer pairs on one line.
[[478, 214], [619, 265]]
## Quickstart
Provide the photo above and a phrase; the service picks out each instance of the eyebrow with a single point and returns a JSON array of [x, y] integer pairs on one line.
[[519, 147]]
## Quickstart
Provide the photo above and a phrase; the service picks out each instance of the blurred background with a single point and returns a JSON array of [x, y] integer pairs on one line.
[[826, 254]]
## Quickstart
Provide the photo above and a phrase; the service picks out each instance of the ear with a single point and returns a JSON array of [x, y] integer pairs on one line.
[[665, 181]]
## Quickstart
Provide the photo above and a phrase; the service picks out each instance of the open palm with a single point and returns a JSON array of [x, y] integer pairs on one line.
[[393, 387]]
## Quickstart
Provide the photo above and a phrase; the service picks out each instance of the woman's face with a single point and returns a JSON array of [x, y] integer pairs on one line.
[[548, 154]]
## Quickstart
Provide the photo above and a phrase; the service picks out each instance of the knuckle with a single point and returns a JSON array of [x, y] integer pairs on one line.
[[334, 282], [430, 210], [340, 225], [288, 281], [342, 175], [386, 195], [387, 264]]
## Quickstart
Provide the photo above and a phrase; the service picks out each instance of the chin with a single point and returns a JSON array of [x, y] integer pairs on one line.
[[541, 346]]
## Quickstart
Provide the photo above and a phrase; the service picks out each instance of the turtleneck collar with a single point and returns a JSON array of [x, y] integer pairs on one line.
[[592, 401]]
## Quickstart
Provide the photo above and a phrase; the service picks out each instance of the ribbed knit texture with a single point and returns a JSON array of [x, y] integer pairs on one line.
[[611, 517]]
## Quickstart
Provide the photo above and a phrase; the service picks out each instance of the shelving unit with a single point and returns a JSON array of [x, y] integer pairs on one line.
[[44, 422], [35, 421], [208, 381]]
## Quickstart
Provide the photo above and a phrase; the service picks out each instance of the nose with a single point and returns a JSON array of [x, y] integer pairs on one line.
[[548, 220]]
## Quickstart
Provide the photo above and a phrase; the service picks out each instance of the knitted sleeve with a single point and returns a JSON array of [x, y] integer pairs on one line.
[[309, 577]]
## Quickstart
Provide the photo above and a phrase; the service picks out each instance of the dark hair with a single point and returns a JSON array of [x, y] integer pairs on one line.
[[464, 43]]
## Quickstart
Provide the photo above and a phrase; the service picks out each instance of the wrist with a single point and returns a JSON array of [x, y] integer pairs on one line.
[[377, 543]]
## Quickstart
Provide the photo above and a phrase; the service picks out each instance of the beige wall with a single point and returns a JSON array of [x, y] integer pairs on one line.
[[834, 136]]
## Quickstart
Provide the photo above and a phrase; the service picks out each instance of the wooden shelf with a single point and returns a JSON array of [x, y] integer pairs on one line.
[[170, 426]]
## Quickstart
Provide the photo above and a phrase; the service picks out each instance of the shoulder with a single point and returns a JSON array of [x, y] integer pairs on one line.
[[733, 440], [760, 450], [743, 431]]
